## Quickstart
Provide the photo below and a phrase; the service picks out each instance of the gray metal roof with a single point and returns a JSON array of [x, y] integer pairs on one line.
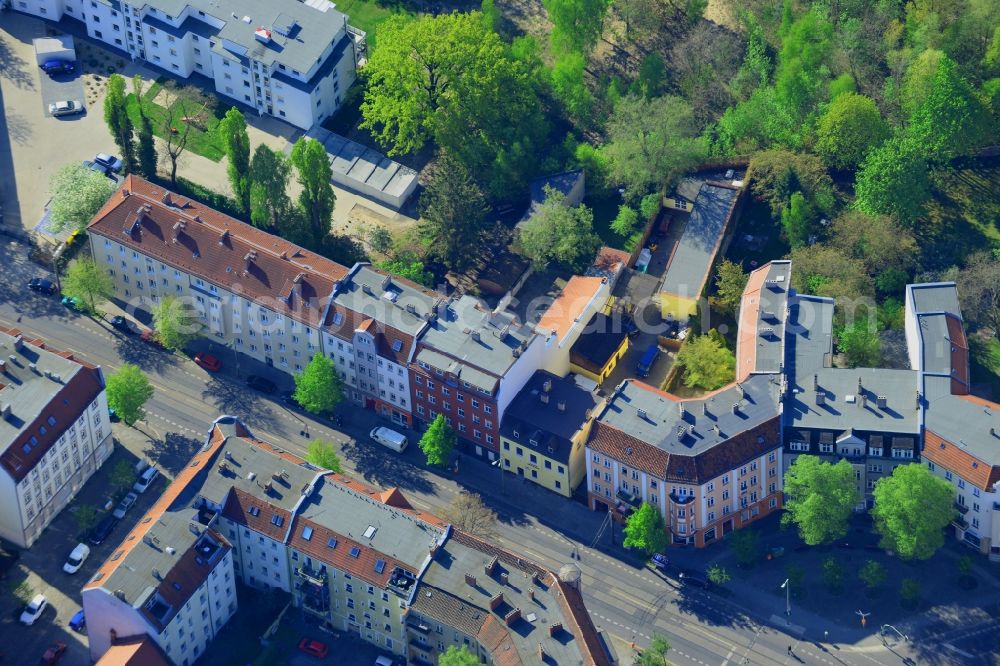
[[963, 422], [28, 392], [299, 51], [251, 468], [501, 338], [527, 414], [363, 165], [457, 557], [690, 427], [934, 297], [695, 250], [770, 324], [353, 514], [386, 299]]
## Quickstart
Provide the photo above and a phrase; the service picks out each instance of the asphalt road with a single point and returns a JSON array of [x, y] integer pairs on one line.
[[630, 602]]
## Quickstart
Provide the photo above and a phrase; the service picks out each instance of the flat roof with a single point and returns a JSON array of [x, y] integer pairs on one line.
[[364, 166], [699, 241], [963, 420], [600, 340]]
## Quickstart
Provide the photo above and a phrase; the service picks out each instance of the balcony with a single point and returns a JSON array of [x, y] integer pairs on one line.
[[961, 508], [681, 499], [419, 626], [960, 522], [629, 498], [317, 578]]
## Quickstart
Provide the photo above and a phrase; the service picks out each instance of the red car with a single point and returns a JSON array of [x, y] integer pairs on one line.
[[54, 653], [208, 362], [313, 648]]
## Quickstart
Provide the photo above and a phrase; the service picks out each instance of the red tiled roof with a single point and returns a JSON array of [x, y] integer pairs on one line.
[[582, 626], [237, 509], [65, 407], [746, 339], [959, 355], [630, 450], [608, 258], [566, 310], [134, 651], [942, 452], [392, 497], [219, 249]]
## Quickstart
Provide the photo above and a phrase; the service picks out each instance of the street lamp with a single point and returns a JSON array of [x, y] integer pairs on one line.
[[788, 597], [498, 462], [863, 616]]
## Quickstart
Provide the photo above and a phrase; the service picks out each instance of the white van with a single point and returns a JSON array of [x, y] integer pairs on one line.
[[390, 439], [146, 480]]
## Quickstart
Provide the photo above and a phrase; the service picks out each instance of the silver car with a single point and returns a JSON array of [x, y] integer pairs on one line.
[[127, 503], [69, 107]]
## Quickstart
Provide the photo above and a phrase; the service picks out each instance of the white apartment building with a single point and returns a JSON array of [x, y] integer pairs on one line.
[[54, 430], [288, 59], [254, 292]]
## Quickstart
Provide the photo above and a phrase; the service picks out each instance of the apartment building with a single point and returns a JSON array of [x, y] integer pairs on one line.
[[254, 292], [172, 577], [288, 59], [544, 431], [54, 430], [370, 334], [469, 364], [352, 557], [568, 319]]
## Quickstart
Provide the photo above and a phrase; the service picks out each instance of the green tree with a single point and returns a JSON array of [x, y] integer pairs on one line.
[[85, 517], [233, 131], [570, 87], [707, 362], [316, 200], [979, 290], [470, 514], [952, 120], [77, 194], [450, 79], [730, 281], [909, 592], [145, 145], [323, 454], [650, 141], [576, 24], [872, 574], [745, 544], [625, 222], [175, 323], [128, 391], [453, 213], [860, 344], [774, 175], [379, 238], [645, 530], [437, 442], [819, 498], [655, 654], [640, 17], [122, 476], [560, 233], [912, 508], [409, 266], [850, 127], [798, 220], [893, 181], [918, 81], [649, 206], [318, 387], [826, 271], [458, 656], [268, 176], [802, 73], [718, 575], [652, 75], [879, 242], [182, 105], [118, 121], [833, 574], [87, 281]]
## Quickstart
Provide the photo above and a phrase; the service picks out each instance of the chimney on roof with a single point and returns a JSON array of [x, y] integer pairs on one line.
[[490, 566], [503, 578], [411, 309], [704, 409], [18, 343], [386, 283], [716, 429], [863, 402], [496, 601], [157, 575], [249, 258], [474, 335], [512, 617], [442, 309], [197, 218], [223, 237], [993, 432], [470, 579], [555, 628], [33, 367], [125, 192], [167, 201], [547, 385], [816, 382], [880, 401], [367, 289], [820, 398], [5, 410], [861, 389], [178, 228], [561, 406], [736, 408], [544, 397], [541, 653]]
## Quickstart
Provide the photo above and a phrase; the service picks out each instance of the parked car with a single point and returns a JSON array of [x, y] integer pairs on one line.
[[78, 622], [122, 324], [145, 480], [208, 362], [262, 384], [34, 609], [76, 558], [313, 648], [694, 579], [54, 653], [94, 166], [109, 162], [73, 303], [127, 503], [389, 438], [53, 67], [661, 562], [102, 530], [42, 285], [66, 107]]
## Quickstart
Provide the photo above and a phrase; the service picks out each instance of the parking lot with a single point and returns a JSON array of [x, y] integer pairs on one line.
[[41, 568], [61, 87]]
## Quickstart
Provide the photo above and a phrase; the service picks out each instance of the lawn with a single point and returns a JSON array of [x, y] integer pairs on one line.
[[605, 210], [964, 214], [202, 138], [366, 15]]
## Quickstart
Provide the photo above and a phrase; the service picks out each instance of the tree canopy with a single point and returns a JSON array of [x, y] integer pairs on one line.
[[645, 530], [458, 656], [655, 654], [469, 513], [707, 362], [316, 200], [819, 498], [77, 194], [318, 387], [576, 24], [118, 121], [87, 281], [128, 390], [912, 508], [850, 127], [437, 442], [323, 454], [893, 181], [979, 290], [233, 129], [730, 281], [560, 233], [267, 178], [453, 214], [175, 322]]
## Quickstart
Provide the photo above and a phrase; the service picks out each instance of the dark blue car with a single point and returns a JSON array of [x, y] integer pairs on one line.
[[78, 622], [53, 67]]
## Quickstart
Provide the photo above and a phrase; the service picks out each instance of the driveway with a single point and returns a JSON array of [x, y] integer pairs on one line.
[[59, 88]]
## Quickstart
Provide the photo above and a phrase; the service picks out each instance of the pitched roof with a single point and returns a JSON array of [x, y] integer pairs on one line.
[[760, 342], [244, 509], [45, 391], [978, 472], [134, 651], [569, 306], [544, 426], [219, 249], [608, 259]]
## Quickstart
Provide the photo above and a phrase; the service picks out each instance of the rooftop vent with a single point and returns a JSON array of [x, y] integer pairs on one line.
[[503, 578], [547, 385], [544, 397], [171, 550], [641, 413], [820, 398], [681, 409], [157, 575], [496, 601], [512, 617], [262, 34], [880, 401], [470, 579], [561, 406]]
